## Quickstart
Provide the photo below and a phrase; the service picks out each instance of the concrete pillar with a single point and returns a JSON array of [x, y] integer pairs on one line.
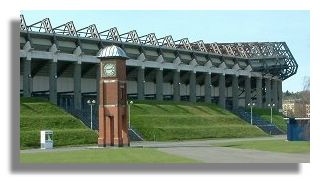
[[268, 91], [259, 92], [140, 83], [207, 88], [222, 88], [159, 84], [192, 83], [53, 82], [176, 85], [27, 78], [235, 92], [280, 94], [275, 93], [77, 86], [247, 86], [98, 85]]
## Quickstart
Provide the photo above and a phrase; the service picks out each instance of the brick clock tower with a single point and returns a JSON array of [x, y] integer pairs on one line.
[[113, 112]]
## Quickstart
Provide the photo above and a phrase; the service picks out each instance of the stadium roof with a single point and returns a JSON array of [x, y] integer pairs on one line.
[[251, 51]]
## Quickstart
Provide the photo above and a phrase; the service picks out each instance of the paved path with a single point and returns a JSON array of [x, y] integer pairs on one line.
[[204, 151], [233, 155]]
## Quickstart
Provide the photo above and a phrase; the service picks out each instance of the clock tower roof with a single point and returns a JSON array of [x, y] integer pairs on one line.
[[112, 52]]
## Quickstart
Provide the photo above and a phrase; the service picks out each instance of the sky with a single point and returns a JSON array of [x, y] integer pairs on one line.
[[292, 27]]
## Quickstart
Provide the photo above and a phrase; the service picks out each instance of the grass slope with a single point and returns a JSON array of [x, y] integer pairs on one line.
[[38, 114], [277, 117], [184, 120], [109, 155], [271, 145]]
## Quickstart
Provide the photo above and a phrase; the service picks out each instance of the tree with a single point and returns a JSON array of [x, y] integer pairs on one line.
[[303, 99]]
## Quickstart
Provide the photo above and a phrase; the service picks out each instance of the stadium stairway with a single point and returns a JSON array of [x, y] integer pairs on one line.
[[85, 117], [134, 135], [264, 125]]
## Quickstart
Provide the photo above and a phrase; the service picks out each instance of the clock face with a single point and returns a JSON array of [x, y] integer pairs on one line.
[[109, 70]]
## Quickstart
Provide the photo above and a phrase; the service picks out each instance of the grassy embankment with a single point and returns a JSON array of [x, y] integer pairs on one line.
[[155, 120], [37, 114], [163, 121]]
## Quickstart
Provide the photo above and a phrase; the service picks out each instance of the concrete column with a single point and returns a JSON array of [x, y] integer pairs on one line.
[[98, 85], [176, 85], [268, 92], [259, 92], [140, 83], [280, 94], [207, 88], [235, 92], [159, 83], [53, 82], [247, 86], [77, 85], [192, 83], [222, 88], [275, 92], [27, 78]]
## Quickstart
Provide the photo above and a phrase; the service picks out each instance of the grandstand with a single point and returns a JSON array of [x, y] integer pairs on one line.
[[59, 62]]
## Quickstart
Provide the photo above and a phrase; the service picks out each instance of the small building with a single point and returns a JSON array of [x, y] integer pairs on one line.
[[296, 108]]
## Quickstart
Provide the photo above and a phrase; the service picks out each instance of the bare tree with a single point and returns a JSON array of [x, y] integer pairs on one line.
[[306, 90], [304, 99]]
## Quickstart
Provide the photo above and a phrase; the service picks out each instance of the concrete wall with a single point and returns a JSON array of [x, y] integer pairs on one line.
[[150, 88], [167, 89], [88, 85], [184, 89], [132, 87], [40, 83], [64, 84]]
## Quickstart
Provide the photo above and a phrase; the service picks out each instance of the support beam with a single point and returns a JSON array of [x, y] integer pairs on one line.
[[207, 88], [98, 73], [268, 91], [192, 83], [222, 89], [176, 85], [27, 77], [275, 93], [235, 92], [159, 83], [53, 82], [77, 85], [140, 83], [280, 94], [247, 85], [259, 92]]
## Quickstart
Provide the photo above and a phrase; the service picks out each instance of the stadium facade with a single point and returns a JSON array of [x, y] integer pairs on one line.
[[60, 62]]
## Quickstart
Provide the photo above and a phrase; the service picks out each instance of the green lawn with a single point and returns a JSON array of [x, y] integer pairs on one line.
[[277, 118], [169, 120], [38, 114], [111, 155], [271, 145]]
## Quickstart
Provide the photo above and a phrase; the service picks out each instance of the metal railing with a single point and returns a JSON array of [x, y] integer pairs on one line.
[[264, 125]]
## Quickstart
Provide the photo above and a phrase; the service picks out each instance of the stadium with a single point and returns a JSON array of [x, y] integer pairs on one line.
[[60, 63]]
